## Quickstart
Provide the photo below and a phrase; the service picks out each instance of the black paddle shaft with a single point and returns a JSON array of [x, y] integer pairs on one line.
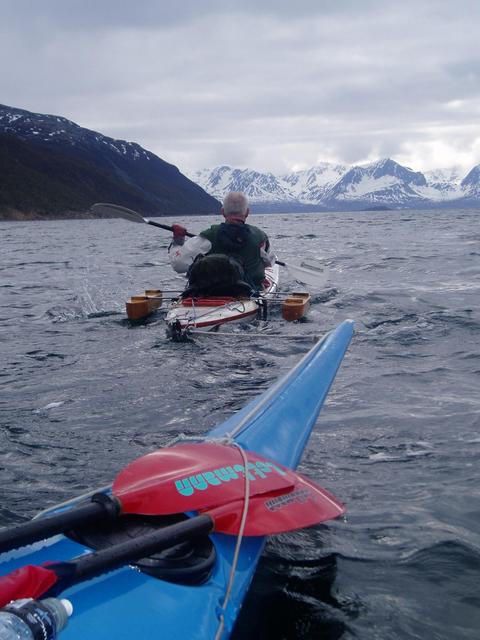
[[165, 226], [101, 506], [105, 560]]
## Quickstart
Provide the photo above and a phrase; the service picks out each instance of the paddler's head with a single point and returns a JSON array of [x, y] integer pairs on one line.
[[235, 207]]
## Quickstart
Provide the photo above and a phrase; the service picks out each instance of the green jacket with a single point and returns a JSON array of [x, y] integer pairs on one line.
[[243, 242]]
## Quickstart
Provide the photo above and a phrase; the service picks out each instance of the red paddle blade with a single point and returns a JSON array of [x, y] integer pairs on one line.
[[27, 582], [302, 506], [190, 477]]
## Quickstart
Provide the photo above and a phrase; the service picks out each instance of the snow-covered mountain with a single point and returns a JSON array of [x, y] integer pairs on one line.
[[471, 184], [383, 183], [451, 176], [258, 187], [301, 187], [443, 184], [313, 185], [56, 130]]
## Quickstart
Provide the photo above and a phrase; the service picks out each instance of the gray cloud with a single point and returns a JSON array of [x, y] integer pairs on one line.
[[269, 86]]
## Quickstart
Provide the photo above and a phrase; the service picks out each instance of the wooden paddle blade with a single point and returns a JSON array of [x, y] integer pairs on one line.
[[189, 477], [302, 506]]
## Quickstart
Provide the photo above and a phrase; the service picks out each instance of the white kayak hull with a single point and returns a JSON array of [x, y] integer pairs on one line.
[[210, 313]]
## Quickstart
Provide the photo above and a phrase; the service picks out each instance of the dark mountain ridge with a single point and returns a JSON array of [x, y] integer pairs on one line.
[[51, 167]]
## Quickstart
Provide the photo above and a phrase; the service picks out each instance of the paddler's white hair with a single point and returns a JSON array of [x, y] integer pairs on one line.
[[235, 203]]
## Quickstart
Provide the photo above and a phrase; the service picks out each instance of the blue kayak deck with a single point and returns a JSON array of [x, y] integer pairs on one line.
[[127, 604]]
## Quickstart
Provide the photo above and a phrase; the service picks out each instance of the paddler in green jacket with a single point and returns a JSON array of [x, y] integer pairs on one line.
[[214, 250]]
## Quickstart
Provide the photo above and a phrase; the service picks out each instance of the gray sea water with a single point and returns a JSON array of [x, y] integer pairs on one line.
[[83, 392]]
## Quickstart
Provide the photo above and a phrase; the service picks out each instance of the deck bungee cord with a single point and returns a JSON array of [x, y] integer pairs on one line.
[[231, 578], [237, 305]]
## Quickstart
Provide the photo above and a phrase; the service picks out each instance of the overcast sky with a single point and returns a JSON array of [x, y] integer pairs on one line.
[[273, 85]]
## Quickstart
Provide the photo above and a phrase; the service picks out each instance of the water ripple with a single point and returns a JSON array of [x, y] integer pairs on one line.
[[85, 392]]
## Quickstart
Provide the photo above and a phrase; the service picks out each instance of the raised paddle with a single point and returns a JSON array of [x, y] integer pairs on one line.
[[127, 214], [187, 477], [316, 276], [300, 506]]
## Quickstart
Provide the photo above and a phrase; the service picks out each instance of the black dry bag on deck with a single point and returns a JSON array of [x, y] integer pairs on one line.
[[217, 274]]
